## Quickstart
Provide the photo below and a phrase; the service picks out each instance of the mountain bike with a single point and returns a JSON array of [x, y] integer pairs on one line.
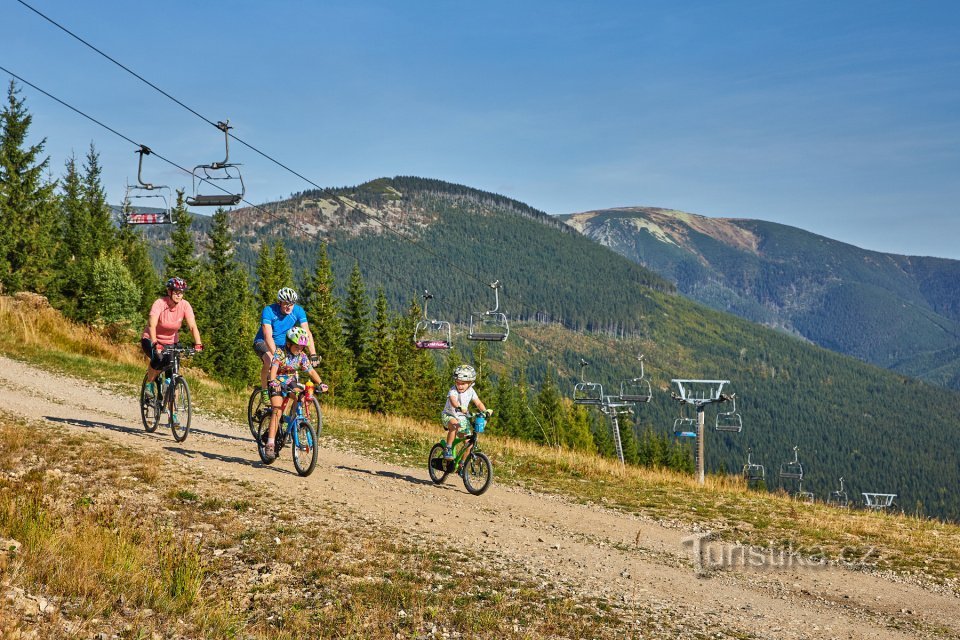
[[256, 410], [171, 396], [469, 462], [301, 427]]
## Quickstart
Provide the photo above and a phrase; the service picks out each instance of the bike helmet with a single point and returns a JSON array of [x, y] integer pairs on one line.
[[176, 284], [465, 372], [298, 335], [287, 295]]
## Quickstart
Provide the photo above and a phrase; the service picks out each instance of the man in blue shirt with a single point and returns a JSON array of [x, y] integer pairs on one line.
[[275, 321]]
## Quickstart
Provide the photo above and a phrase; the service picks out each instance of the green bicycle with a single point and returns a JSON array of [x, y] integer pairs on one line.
[[469, 462]]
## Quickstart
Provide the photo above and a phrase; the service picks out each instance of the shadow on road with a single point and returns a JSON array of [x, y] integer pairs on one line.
[[389, 474], [91, 424]]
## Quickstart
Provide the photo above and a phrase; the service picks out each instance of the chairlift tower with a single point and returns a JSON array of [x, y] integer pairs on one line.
[[700, 393]]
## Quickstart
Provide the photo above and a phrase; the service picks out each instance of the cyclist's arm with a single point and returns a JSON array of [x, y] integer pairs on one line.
[[311, 349], [315, 377], [192, 324], [268, 338], [152, 325], [478, 403]]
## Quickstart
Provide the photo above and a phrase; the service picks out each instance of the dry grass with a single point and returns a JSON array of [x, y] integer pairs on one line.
[[193, 556]]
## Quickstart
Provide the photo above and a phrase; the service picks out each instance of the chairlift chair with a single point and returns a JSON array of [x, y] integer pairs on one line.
[[753, 472], [636, 389], [157, 194], [492, 325], [431, 333], [839, 498], [792, 470], [224, 175], [878, 501], [684, 427], [587, 392], [729, 421], [801, 495]]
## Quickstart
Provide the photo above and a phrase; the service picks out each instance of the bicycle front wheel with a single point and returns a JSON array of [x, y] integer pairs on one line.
[[437, 467], [304, 447], [149, 406], [255, 411], [178, 406], [311, 411], [477, 473]]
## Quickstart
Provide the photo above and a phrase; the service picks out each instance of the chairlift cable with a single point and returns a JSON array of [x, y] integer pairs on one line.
[[325, 190], [185, 170]]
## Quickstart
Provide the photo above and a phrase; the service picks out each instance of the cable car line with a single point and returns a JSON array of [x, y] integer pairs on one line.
[[325, 190]]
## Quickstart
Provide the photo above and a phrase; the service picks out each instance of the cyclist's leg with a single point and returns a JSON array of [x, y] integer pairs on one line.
[[452, 424], [276, 401], [266, 357]]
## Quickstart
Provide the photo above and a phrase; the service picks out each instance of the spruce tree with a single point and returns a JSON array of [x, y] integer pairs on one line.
[[99, 215], [136, 257], [423, 393], [273, 272], [73, 258], [550, 413], [356, 321], [229, 331], [323, 313], [182, 260], [28, 238], [383, 386]]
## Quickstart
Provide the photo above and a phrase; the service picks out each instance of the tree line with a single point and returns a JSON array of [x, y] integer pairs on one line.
[[60, 238]]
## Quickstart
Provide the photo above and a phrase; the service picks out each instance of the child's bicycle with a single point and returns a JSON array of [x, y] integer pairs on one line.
[[172, 399], [469, 461], [301, 427], [256, 410]]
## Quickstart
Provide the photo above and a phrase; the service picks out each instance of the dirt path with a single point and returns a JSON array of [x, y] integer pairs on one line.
[[593, 550]]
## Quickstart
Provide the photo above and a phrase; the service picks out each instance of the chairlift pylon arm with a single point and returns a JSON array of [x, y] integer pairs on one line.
[[225, 127]]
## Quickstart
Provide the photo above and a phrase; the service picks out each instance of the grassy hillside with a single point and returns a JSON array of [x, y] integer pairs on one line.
[[882, 432], [103, 540]]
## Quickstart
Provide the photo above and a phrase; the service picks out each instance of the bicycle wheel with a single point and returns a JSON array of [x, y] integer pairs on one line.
[[438, 468], [311, 411], [263, 429], [149, 407], [178, 407], [255, 410], [477, 473], [304, 446]]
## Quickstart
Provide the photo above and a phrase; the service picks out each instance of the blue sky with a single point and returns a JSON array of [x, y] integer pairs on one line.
[[841, 118]]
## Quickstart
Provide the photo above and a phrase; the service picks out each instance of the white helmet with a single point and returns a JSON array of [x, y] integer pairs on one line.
[[287, 295], [465, 372]]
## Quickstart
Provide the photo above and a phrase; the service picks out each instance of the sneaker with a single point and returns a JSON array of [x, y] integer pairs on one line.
[[269, 453], [265, 397], [447, 453]]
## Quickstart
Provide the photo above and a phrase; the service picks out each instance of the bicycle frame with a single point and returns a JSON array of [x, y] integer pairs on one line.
[[290, 430]]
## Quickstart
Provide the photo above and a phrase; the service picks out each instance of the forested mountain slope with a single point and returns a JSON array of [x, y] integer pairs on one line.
[[570, 298], [898, 312]]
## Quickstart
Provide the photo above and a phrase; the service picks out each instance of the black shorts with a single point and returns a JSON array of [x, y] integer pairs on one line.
[[157, 362], [260, 348]]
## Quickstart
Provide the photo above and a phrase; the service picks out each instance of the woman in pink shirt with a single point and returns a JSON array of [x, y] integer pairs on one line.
[[166, 316]]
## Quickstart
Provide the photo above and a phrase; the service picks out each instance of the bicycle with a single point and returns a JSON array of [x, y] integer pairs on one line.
[[299, 427], [172, 398], [256, 410], [469, 462]]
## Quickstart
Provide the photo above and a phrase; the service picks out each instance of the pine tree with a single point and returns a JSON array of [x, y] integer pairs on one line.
[[73, 258], [423, 393], [323, 313], [356, 320], [136, 257], [577, 435], [383, 389], [273, 272], [550, 413], [99, 214], [28, 239], [227, 336]]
